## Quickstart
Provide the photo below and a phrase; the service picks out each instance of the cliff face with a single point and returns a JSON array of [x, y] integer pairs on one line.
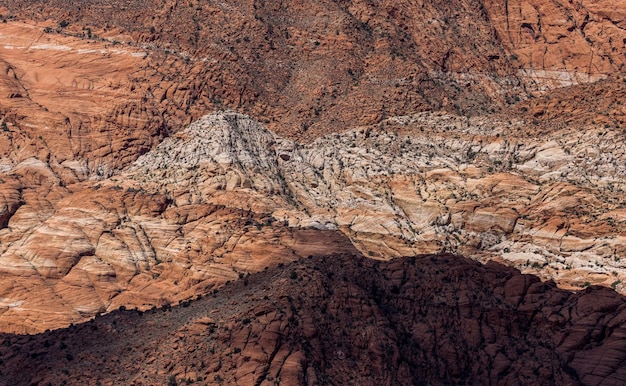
[[345, 319], [560, 43]]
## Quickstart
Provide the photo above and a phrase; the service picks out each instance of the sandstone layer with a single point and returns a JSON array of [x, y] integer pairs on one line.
[[562, 43], [309, 68], [226, 197], [344, 319], [392, 128], [418, 184]]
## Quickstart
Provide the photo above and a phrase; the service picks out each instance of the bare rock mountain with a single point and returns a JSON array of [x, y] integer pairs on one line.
[[345, 319], [155, 151], [311, 68], [398, 189], [226, 196]]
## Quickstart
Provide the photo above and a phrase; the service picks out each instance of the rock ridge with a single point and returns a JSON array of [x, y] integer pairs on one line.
[[226, 196], [345, 319]]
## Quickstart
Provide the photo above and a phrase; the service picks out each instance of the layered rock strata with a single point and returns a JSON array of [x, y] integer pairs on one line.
[[226, 196]]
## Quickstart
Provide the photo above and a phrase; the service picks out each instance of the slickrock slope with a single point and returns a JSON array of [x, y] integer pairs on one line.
[[226, 196], [107, 198], [99, 249], [345, 319], [560, 43], [419, 184], [341, 63], [306, 69], [75, 104]]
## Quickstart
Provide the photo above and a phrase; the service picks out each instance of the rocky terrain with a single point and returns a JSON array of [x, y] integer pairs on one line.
[[562, 43], [472, 186], [225, 197], [345, 319], [153, 151], [307, 69]]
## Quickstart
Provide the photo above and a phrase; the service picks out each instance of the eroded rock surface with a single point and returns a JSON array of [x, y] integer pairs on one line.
[[108, 198], [420, 184], [345, 319], [559, 43], [226, 196], [309, 68]]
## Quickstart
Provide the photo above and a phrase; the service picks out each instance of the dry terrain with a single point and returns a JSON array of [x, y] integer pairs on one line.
[[345, 320], [153, 151]]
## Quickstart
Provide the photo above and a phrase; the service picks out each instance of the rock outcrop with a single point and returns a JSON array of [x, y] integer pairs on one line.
[[76, 104], [471, 186], [392, 128], [340, 64], [226, 197], [345, 319], [562, 43]]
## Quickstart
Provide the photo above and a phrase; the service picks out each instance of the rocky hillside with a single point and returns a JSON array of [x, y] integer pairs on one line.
[[310, 68], [418, 184], [345, 319], [226, 196], [151, 151], [226, 192], [562, 43]]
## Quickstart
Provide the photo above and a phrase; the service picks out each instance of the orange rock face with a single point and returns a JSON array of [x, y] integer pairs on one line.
[[303, 68], [72, 103], [394, 128], [347, 320], [225, 197], [560, 43]]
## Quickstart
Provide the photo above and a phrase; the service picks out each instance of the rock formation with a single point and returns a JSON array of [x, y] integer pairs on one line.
[[345, 319], [153, 151], [307, 69], [562, 43], [226, 196], [471, 186]]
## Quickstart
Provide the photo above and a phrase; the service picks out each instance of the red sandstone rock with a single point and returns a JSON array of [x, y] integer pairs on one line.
[[344, 320]]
